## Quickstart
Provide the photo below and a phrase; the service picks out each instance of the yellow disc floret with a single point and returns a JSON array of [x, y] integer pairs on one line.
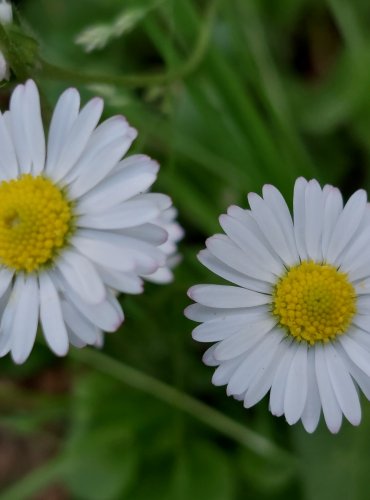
[[314, 302], [35, 221]]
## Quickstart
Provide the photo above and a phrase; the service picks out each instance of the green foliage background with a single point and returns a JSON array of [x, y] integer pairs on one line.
[[227, 95]]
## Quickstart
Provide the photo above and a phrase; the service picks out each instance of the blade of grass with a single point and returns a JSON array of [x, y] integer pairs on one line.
[[182, 401]]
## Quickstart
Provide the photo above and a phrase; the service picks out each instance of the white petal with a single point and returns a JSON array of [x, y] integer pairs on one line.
[[130, 213], [197, 312], [276, 202], [151, 233], [360, 377], [208, 357], [120, 186], [26, 317], [101, 165], [6, 276], [77, 138], [224, 372], [244, 340], [314, 207], [363, 305], [296, 386], [277, 393], [18, 131], [219, 329], [358, 354], [7, 309], [360, 270], [356, 255], [262, 381], [270, 227], [227, 296], [347, 224], [109, 132], [34, 127], [114, 250], [122, 282], [162, 276], [330, 405], [299, 211], [362, 320], [51, 317], [258, 357], [163, 201], [107, 315], [232, 275], [343, 386], [332, 209], [363, 287], [312, 410], [105, 251], [81, 327], [254, 248], [74, 340], [8, 158], [226, 251], [82, 276], [65, 113], [361, 337]]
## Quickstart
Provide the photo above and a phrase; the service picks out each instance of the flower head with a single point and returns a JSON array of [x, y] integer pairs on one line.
[[296, 321], [77, 224], [6, 17]]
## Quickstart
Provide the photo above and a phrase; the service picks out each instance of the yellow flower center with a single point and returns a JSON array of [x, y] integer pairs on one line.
[[35, 222], [314, 302]]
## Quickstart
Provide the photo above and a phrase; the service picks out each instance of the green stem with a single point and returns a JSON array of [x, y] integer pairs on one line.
[[51, 71], [182, 401]]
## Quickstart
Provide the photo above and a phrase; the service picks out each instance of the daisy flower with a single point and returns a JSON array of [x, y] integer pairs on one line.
[[6, 17], [77, 224], [296, 319]]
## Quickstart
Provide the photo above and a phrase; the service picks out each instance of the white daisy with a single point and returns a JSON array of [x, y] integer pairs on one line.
[[6, 17], [296, 321], [76, 222]]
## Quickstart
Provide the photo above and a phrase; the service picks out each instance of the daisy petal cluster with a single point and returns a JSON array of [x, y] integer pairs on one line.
[[6, 17], [77, 224], [294, 321]]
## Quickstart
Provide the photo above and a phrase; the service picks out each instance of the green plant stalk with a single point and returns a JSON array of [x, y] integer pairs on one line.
[[182, 401], [51, 71]]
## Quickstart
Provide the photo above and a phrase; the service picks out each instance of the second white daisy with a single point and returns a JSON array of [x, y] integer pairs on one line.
[[296, 321]]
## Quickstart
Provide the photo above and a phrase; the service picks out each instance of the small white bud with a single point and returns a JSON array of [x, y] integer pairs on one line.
[[4, 68], [6, 17], [6, 12]]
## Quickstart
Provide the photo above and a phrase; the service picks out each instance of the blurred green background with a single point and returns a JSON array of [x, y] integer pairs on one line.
[[230, 94]]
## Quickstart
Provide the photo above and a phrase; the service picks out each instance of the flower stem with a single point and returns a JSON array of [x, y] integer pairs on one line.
[[182, 401], [45, 69]]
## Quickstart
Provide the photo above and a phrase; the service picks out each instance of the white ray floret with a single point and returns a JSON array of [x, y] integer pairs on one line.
[[294, 319], [77, 224]]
